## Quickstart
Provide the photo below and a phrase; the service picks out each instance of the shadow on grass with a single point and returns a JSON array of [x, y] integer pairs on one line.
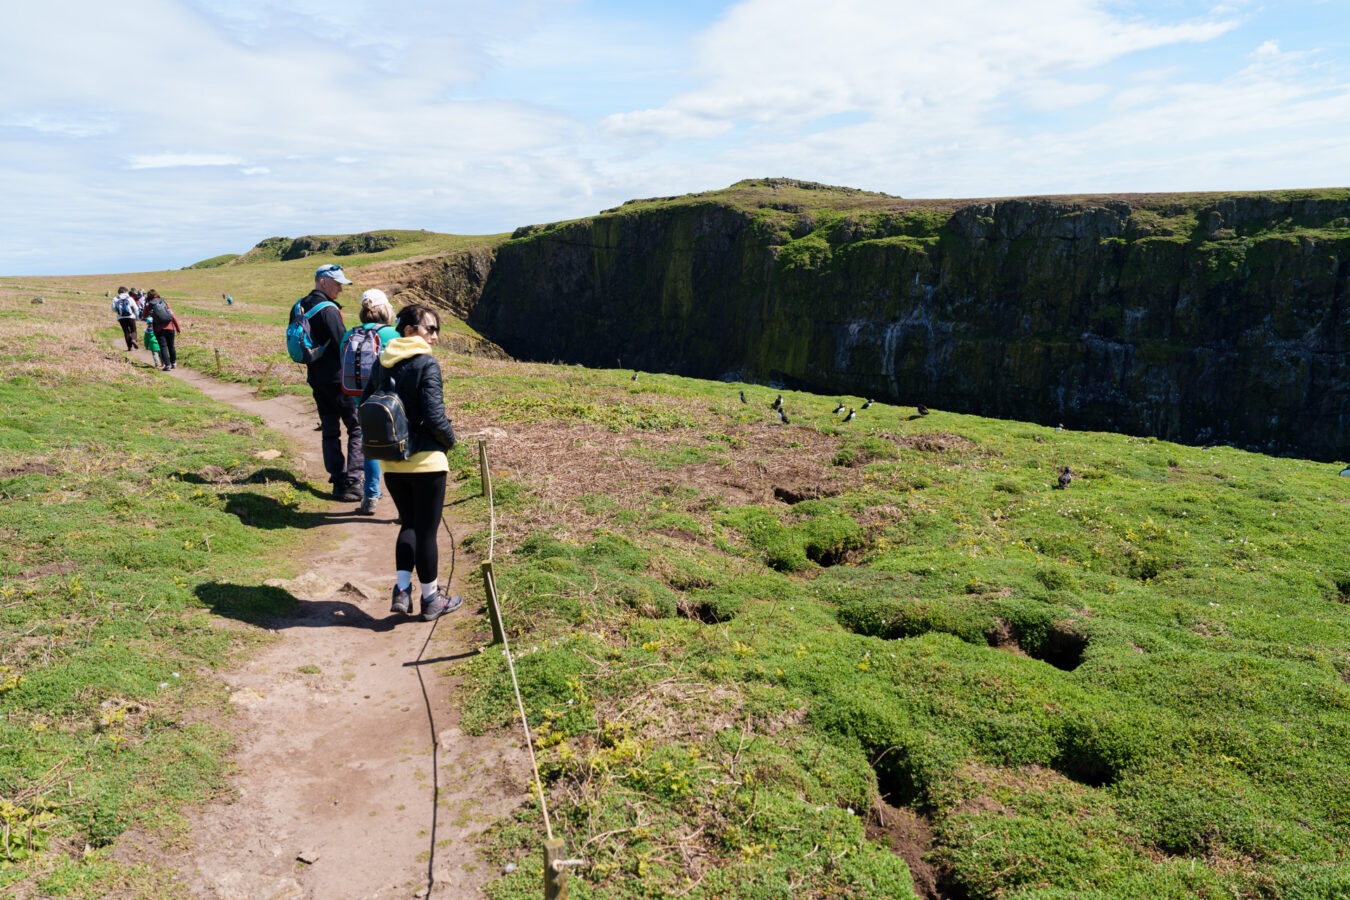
[[278, 609], [213, 475], [262, 511]]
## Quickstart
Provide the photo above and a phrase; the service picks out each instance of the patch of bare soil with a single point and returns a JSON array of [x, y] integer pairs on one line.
[[933, 441], [56, 568], [1003, 636], [352, 776], [910, 837], [29, 468], [563, 462]]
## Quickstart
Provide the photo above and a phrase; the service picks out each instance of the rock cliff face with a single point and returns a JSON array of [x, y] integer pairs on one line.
[[1195, 318]]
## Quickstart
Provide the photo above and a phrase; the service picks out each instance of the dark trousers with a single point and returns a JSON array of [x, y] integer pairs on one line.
[[337, 410], [419, 498], [128, 332], [168, 355]]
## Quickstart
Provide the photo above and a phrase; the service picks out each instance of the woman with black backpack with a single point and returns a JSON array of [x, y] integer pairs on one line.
[[416, 480], [165, 324]]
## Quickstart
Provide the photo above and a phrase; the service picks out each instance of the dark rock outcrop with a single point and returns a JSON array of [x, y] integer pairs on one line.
[[1195, 318]]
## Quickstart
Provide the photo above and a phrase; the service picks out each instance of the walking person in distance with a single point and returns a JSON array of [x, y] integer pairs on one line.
[[166, 328], [128, 310], [337, 410], [417, 483]]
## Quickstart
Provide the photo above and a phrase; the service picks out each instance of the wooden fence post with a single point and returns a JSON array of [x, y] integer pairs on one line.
[[483, 468], [494, 611], [555, 879], [217, 360], [261, 381]]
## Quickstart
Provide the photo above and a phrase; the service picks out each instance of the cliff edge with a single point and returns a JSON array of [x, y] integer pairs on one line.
[[1199, 318]]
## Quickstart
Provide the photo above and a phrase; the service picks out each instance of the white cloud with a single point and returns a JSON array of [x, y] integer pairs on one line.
[[69, 125], [463, 116], [171, 160]]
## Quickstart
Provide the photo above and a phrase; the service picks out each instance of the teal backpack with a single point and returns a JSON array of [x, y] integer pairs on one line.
[[299, 339]]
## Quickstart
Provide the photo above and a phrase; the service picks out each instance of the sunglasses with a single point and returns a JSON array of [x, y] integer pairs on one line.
[[431, 329]]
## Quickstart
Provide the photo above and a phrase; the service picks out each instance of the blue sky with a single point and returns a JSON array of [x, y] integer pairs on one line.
[[148, 134]]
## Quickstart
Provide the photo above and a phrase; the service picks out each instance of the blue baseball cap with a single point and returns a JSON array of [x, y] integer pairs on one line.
[[332, 271]]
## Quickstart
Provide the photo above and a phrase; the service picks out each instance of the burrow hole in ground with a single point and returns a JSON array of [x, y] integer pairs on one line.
[[895, 821], [1058, 645]]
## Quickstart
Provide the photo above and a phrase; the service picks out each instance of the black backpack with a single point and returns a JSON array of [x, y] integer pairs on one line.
[[384, 424], [159, 312]]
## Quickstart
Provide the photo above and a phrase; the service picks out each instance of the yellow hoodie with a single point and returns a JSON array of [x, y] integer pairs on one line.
[[397, 350]]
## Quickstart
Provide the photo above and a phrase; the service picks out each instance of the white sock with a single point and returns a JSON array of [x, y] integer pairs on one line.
[[428, 590], [404, 580]]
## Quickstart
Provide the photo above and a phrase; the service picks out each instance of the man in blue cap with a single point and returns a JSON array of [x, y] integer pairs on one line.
[[336, 408]]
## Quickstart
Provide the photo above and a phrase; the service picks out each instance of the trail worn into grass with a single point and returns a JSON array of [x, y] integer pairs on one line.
[[352, 777]]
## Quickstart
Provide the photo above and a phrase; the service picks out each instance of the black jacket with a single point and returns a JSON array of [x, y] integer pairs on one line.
[[326, 327], [417, 381]]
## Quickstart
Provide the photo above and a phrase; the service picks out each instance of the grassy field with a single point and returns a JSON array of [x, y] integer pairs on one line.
[[126, 497], [824, 659]]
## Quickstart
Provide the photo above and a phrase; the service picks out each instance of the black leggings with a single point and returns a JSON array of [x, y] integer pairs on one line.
[[167, 354], [418, 497], [128, 331]]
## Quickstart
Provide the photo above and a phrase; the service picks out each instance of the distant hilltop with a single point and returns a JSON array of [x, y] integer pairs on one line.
[[283, 248]]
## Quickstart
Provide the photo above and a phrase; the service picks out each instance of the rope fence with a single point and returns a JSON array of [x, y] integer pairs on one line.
[[555, 849]]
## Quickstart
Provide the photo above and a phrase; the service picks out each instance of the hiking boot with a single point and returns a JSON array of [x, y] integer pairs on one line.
[[402, 601], [440, 604], [367, 507], [349, 493]]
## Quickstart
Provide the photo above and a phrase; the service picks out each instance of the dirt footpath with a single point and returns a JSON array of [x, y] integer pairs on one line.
[[353, 779]]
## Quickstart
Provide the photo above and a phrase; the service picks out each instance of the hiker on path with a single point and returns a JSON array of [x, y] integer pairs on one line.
[[359, 352], [336, 409], [127, 310], [229, 301], [166, 327], [417, 484]]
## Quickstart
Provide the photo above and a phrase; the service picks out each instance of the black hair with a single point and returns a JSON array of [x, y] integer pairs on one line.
[[415, 314]]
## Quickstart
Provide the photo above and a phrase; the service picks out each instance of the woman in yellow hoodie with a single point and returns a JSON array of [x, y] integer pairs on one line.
[[417, 484]]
